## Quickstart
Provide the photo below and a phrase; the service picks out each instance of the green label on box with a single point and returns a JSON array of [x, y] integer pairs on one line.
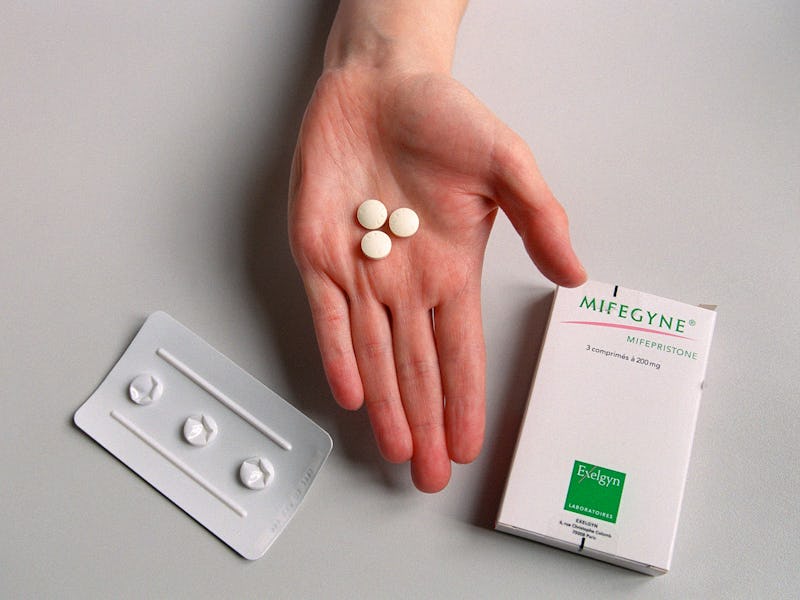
[[594, 491]]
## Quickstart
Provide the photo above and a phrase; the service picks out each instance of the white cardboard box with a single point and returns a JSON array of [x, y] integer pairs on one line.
[[603, 451]]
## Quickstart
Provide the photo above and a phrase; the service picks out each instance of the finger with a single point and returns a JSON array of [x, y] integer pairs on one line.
[[462, 357], [330, 312], [534, 211], [372, 340], [420, 383]]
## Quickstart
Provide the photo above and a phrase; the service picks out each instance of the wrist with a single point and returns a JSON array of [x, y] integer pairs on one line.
[[398, 35]]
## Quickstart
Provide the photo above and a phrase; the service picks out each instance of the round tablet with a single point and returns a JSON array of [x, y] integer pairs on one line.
[[404, 222], [376, 244], [371, 214]]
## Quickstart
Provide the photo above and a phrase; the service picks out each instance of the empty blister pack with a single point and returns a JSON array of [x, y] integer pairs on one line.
[[228, 450]]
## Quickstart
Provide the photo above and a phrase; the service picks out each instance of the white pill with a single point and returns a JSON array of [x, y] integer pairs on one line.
[[372, 214], [376, 244], [404, 222]]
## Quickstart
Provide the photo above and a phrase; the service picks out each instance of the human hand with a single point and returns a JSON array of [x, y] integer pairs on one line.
[[403, 335]]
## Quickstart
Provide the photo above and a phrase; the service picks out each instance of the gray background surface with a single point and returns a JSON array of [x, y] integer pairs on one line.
[[144, 166]]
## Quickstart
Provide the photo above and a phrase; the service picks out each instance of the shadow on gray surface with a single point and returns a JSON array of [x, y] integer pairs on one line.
[[274, 281], [501, 441]]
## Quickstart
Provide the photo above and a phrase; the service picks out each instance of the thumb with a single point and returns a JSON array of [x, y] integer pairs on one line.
[[533, 211]]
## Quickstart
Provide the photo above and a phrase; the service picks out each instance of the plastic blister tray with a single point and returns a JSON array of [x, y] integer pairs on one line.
[[226, 449]]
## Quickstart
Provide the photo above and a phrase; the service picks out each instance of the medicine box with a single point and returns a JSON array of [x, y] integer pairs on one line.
[[603, 451]]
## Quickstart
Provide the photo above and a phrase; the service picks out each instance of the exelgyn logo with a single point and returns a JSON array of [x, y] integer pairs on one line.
[[597, 474], [594, 491], [664, 324]]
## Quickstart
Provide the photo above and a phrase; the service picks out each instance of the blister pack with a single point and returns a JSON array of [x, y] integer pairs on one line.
[[222, 446]]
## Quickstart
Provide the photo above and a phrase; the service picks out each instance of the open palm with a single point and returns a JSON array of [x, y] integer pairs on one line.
[[403, 335]]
